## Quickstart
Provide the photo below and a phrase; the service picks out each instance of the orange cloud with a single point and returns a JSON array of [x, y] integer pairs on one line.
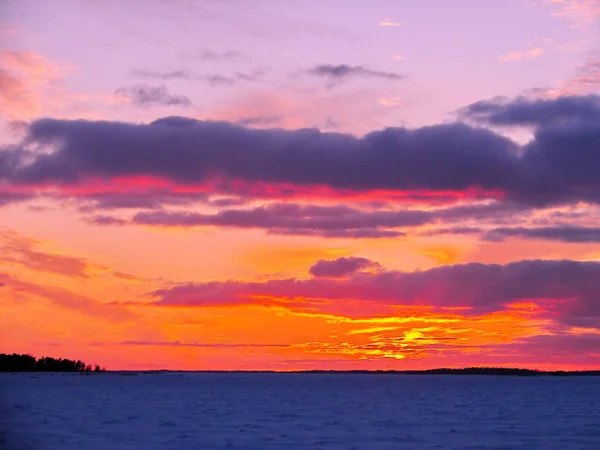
[[65, 299], [34, 255]]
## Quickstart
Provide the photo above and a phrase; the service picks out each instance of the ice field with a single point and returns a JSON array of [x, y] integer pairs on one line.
[[297, 411]]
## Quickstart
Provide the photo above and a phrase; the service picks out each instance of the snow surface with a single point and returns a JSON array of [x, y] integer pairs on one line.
[[297, 411]]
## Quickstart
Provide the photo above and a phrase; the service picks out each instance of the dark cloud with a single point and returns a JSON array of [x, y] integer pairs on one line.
[[146, 95], [565, 233], [336, 74], [106, 220], [7, 198], [565, 291], [340, 267], [443, 157], [560, 165], [561, 233], [176, 74], [534, 112]]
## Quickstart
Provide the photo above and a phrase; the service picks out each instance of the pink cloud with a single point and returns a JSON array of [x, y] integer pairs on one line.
[[532, 53], [24, 76], [582, 12]]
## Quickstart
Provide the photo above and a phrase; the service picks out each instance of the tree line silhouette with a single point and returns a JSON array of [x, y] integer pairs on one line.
[[28, 363]]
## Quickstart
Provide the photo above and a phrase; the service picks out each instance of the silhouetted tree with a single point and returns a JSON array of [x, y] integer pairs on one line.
[[28, 363]]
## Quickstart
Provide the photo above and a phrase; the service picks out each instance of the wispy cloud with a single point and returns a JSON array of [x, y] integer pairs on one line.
[[215, 79], [173, 75], [146, 95]]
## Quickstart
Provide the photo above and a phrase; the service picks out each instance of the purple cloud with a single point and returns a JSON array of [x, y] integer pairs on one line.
[[565, 233], [534, 112], [341, 267], [559, 166], [287, 218], [325, 221]]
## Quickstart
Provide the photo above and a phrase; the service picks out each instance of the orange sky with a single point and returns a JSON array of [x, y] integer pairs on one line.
[[87, 296]]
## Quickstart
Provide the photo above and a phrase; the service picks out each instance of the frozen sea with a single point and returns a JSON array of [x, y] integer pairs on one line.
[[297, 411]]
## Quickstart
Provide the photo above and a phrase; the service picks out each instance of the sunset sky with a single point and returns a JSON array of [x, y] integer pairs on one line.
[[268, 184]]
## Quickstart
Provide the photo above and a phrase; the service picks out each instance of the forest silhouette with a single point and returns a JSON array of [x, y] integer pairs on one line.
[[27, 363]]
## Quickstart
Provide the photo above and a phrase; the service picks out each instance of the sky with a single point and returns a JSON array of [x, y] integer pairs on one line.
[[270, 185]]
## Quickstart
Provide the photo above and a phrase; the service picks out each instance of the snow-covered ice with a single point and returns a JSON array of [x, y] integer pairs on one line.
[[297, 411]]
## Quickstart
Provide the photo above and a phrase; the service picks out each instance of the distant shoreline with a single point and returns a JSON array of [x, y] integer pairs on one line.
[[460, 372], [25, 363]]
